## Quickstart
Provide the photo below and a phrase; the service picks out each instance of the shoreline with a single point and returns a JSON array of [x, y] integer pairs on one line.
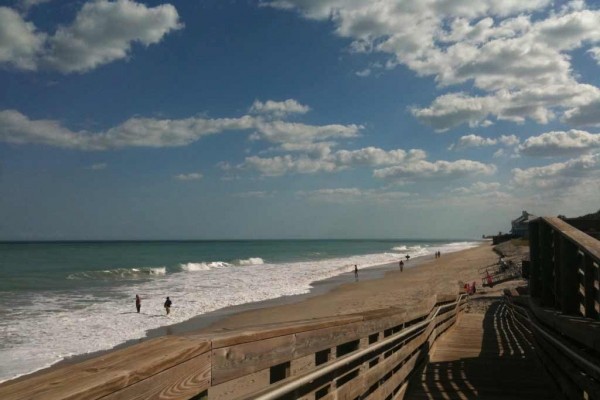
[[215, 320]]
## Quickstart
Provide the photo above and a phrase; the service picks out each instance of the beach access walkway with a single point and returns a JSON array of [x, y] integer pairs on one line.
[[486, 355]]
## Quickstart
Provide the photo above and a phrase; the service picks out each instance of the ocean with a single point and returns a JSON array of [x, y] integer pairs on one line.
[[60, 299]]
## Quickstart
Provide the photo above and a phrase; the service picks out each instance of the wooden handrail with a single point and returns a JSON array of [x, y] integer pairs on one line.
[[582, 240], [294, 384], [575, 372], [221, 365]]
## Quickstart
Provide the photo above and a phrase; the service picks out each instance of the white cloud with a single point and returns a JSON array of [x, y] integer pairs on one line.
[[536, 103], [558, 175], [136, 132], [278, 108], [256, 194], [584, 115], [509, 140], [27, 4], [19, 41], [472, 141], [330, 161], [98, 166], [151, 132], [595, 53], [560, 143], [350, 195], [192, 176], [374, 156], [281, 165], [292, 132], [478, 187], [516, 52], [425, 170], [102, 32]]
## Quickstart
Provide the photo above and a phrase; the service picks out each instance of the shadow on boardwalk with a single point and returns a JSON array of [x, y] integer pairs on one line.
[[485, 356]]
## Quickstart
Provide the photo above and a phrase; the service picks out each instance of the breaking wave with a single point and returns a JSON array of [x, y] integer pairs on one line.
[[119, 273]]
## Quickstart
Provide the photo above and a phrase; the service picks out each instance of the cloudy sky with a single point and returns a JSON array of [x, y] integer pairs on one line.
[[295, 118]]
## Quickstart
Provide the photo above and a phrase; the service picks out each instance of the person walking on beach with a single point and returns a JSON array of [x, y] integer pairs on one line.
[[168, 305], [356, 271], [138, 303], [401, 264]]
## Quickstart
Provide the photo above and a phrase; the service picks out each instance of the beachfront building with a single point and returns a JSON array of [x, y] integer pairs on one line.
[[520, 226]]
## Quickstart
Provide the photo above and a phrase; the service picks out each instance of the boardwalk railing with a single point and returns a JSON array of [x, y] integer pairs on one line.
[[564, 268], [569, 348], [366, 356]]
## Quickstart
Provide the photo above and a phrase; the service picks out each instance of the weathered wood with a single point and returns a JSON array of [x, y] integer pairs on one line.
[[393, 383], [475, 360], [568, 368], [591, 292], [262, 332], [578, 329], [246, 358], [570, 262], [240, 388], [547, 266], [535, 280], [109, 373], [181, 382], [585, 242]]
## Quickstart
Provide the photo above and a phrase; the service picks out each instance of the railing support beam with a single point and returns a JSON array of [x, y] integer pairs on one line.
[[568, 282]]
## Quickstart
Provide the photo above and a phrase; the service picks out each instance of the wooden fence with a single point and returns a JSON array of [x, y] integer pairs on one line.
[[564, 268], [568, 347], [366, 356]]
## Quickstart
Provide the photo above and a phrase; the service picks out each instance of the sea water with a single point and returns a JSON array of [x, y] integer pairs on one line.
[[59, 299]]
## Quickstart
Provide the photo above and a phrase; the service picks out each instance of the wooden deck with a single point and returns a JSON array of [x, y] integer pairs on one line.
[[484, 356]]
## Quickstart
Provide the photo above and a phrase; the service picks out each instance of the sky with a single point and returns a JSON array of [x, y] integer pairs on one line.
[[253, 119]]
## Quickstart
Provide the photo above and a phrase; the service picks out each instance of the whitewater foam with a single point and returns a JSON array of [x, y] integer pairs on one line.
[[251, 261], [73, 322]]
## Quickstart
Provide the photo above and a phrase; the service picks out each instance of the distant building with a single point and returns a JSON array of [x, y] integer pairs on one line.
[[520, 226]]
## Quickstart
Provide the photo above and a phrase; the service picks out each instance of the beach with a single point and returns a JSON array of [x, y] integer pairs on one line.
[[377, 287], [64, 295], [413, 286]]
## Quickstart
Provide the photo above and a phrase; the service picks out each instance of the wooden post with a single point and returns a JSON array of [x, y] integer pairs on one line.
[[591, 293], [547, 265], [558, 246], [569, 261], [535, 275]]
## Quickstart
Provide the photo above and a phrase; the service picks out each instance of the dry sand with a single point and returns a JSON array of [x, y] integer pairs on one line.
[[444, 275], [420, 280]]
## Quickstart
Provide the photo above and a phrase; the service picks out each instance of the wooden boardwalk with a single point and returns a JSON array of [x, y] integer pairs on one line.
[[484, 356]]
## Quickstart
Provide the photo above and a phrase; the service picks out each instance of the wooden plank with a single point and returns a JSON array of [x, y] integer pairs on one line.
[[181, 382], [581, 330], [246, 358], [108, 373], [387, 388], [240, 388], [261, 332], [585, 242]]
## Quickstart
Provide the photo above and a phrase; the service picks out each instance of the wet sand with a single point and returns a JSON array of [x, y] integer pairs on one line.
[[376, 288], [411, 287]]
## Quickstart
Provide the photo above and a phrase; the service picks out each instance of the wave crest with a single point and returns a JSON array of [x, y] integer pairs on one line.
[[251, 261], [201, 266], [119, 273]]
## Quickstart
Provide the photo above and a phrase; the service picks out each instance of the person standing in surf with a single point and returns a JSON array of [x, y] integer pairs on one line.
[[138, 303], [168, 305]]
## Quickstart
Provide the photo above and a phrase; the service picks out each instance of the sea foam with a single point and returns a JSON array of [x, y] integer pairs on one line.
[[79, 322]]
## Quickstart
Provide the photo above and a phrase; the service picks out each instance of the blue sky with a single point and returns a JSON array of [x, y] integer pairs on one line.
[[295, 118]]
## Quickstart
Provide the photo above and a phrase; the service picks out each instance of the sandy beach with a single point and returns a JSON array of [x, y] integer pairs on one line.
[[376, 288], [414, 285]]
